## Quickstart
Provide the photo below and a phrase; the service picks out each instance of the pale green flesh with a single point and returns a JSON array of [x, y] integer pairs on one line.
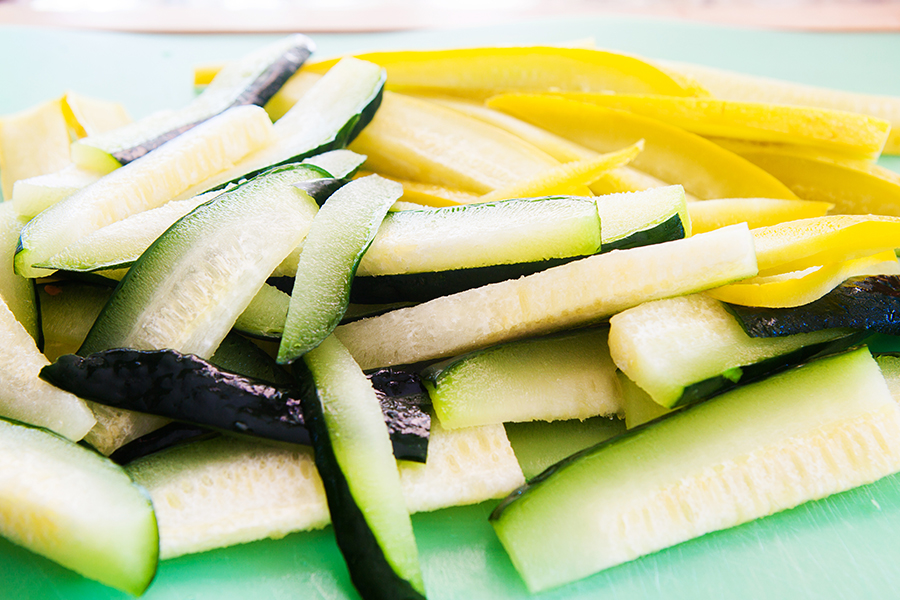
[[68, 310], [16, 291], [807, 433], [626, 213], [639, 406], [337, 239], [569, 376], [362, 447], [74, 507], [580, 292], [477, 235], [35, 194], [666, 345], [190, 286], [220, 94]]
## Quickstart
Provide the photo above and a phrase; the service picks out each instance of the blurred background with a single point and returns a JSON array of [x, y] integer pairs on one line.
[[221, 16]]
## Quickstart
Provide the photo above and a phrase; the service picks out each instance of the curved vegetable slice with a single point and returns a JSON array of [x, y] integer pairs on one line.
[[360, 476], [16, 291], [33, 195], [186, 388], [845, 133], [749, 88], [152, 181], [673, 155], [854, 187], [479, 73], [802, 287], [76, 508], [632, 219], [339, 235], [805, 434], [415, 139], [32, 142], [796, 245], [870, 303], [756, 212], [562, 297], [251, 80]]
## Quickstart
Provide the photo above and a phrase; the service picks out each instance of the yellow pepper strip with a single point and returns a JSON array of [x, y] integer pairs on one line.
[[840, 132], [427, 194], [204, 74], [566, 177], [671, 154], [797, 245], [479, 73], [621, 179], [728, 85], [707, 215], [854, 187], [417, 140], [89, 116], [32, 142], [802, 287]]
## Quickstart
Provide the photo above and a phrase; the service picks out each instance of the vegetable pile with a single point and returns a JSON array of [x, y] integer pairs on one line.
[[347, 281]]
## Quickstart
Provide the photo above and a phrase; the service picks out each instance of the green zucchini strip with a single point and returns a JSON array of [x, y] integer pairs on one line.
[[341, 232]]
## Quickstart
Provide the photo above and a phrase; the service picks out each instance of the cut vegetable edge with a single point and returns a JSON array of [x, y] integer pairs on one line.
[[803, 435], [76, 508]]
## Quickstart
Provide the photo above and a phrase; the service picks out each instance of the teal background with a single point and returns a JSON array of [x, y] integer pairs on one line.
[[842, 547]]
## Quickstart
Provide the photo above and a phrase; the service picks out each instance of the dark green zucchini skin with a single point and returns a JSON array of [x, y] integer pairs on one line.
[[257, 92], [167, 436], [870, 303], [371, 574], [422, 287], [715, 386], [186, 388]]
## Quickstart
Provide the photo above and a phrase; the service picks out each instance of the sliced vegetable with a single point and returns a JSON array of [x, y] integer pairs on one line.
[[802, 435], [76, 508], [186, 388], [32, 142], [670, 154], [633, 219], [68, 311], [844, 133], [227, 491], [87, 116], [16, 291], [568, 376], [562, 297], [362, 484], [36, 194], [639, 406], [802, 287], [680, 350], [156, 179], [252, 80], [756, 212], [479, 73], [869, 303], [337, 239]]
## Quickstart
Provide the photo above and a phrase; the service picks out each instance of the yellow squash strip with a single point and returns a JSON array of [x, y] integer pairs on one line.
[[802, 287], [728, 85], [90, 116], [479, 73], [671, 154], [707, 215], [32, 142], [797, 245], [293, 89], [414, 139], [854, 187], [566, 178], [427, 194], [845, 133]]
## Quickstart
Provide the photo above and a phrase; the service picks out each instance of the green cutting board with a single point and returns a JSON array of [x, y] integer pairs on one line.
[[843, 547]]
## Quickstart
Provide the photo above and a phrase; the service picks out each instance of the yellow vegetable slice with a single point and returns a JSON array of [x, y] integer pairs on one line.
[[802, 287], [293, 89], [426, 194], [671, 154], [804, 243], [845, 133], [566, 177], [32, 142], [707, 215], [414, 139], [854, 187], [737, 86], [90, 116], [479, 73]]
